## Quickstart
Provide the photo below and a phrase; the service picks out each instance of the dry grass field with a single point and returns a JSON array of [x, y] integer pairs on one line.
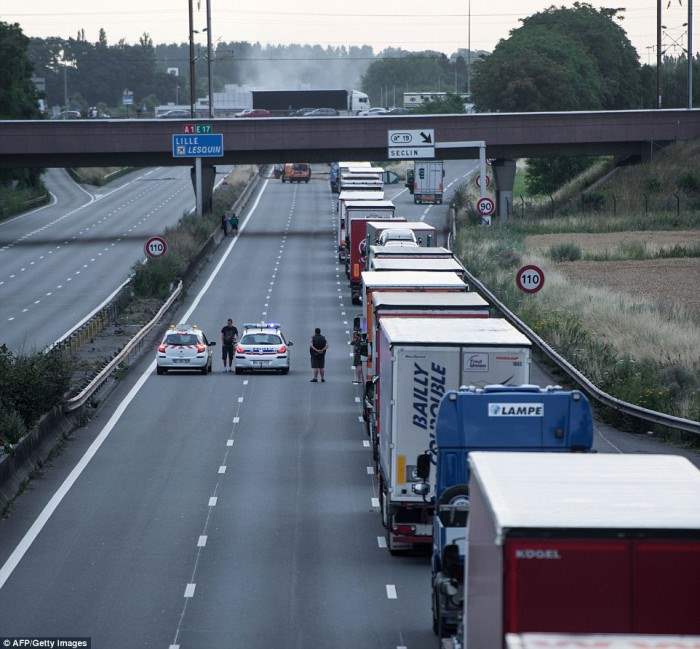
[[609, 241]]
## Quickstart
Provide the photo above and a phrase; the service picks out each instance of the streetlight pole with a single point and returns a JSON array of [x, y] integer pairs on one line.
[[658, 53], [690, 53], [469, 50], [211, 81], [193, 90]]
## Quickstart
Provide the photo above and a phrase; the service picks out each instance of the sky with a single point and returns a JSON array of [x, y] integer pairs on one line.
[[410, 24]]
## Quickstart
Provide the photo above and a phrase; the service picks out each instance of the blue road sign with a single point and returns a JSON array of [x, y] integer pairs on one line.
[[190, 145]]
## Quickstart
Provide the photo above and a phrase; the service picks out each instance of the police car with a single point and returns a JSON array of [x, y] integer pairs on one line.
[[184, 347], [262, 347]]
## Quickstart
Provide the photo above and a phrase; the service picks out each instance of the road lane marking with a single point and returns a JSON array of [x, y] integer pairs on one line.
[[357, 399], [202, 541], [229, 442], [381, 541], [236, 420], [222, 469], [360, 419], [365, 443], [189, 590], [391, 591], [30, 536], [245, 382], [240, 399], [370, 470], [375, 502]]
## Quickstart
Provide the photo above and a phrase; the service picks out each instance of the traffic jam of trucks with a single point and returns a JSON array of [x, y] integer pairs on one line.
[[534, 539]]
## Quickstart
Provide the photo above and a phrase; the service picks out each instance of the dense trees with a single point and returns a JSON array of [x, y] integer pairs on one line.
[[563, 58]]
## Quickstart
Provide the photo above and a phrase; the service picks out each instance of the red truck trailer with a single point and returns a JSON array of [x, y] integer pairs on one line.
[[581, 544]]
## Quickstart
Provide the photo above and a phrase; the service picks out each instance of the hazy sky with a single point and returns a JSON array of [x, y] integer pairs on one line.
[[410, 24]]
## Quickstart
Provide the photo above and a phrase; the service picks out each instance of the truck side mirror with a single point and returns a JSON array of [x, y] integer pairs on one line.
[[423, 466]]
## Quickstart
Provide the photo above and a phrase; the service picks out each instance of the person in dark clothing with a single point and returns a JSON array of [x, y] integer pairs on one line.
[[233, 222], [318, 355], [229, 337], [224, 223], [357, 349]]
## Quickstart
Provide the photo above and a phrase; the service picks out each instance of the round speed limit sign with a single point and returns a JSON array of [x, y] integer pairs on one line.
[[485, 206], [530, 279], [156, 247]]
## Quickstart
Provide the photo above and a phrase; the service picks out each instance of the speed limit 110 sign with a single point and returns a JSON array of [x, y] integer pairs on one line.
[[530, 278], [156, 247]]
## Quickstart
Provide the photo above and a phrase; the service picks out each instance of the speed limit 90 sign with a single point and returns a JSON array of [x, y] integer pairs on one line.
[[156, 247], [530, 278]]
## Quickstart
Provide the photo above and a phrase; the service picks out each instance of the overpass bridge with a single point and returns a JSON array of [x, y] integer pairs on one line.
[[508, 136], [142, 142]]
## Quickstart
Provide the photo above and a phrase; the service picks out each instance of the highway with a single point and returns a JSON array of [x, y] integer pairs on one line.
[[59, 262], [222, 510]]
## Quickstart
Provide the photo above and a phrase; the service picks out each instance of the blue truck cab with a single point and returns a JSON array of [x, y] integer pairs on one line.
[[502, 418]]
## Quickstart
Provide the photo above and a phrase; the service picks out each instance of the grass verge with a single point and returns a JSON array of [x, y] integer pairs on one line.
[[634, 349], [20, 199], [98, 176]]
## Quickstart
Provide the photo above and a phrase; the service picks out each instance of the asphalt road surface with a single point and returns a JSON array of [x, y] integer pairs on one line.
[[59, 262], [222, 510]]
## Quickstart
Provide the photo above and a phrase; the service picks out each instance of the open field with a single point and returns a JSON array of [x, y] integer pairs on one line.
[[672, 282], [602, 241]]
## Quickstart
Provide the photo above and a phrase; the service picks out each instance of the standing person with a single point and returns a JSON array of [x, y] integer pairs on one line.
[[224, 223], [229, 336], [318, 355], [357, 357], [233, 222]]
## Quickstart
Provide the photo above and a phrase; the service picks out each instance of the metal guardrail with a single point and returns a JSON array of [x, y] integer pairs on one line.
[[133, 345], [630, 409]]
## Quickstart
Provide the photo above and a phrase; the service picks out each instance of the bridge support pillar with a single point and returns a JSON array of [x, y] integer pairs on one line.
[[208, 178], [504, 175]]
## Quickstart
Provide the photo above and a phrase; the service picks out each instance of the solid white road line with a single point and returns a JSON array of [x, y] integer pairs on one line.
[[60, 493], [391, 591]]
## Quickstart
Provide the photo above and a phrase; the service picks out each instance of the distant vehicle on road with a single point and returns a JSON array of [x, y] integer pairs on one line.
[[322, 112], [300, 112], [69, 114], [398, 111], [373, 112], [176, 113], [184, 347], [262, 347], [403, 235], [292, 102], [428, 181], [296, 172], [254, 112], [277, 170]]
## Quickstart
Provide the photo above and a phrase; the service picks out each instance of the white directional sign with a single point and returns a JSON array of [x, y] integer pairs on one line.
[[411, 144]]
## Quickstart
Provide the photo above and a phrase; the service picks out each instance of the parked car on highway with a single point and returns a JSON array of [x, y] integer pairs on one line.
[[254, 112], [322, 112], [296, 172], [262, 347], [184, 347]]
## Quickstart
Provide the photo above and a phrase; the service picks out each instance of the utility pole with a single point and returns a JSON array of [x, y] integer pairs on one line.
[[658, 53], [211, 81], [469, 50], [193, 90], [690, 53], [65, 85]]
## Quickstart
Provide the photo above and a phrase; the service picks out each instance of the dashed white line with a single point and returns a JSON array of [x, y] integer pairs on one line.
[[381, 541], [245, 382], [189, 590], [240, 399], [236, 420], [202, 541], [370, 470], [212, 501], [222, 469], [375, 502], [365, 443], [229, 442], [391, 591], [357, 399]]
